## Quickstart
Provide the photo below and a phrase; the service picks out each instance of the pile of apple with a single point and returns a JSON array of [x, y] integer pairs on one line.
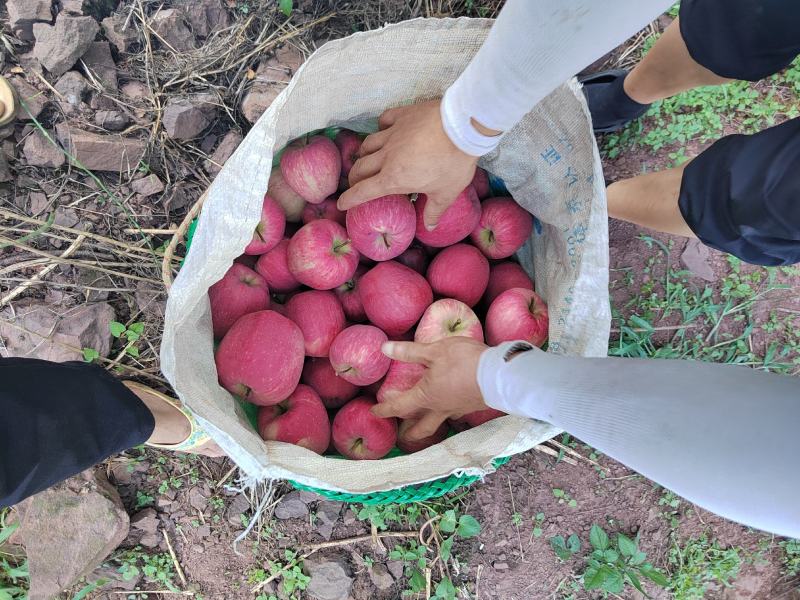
[[302, 314]]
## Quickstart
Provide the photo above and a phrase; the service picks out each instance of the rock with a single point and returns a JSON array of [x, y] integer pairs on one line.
[[695, 258], [144, 526], [291, 506], [35, 330], [257, 100], [172, 31], [186, 118], [238, 507], [396, 568], [330, 578], [150, 301], [42, 152], [135, 90], [100, 63], [327, 516], [39, 203], [223, 152], [500, 566], [381, 577], [59, 47], [113, 579], [98, 9], [34, 99], [74, 88], [93, 279], [108, 152], [72, 7], [66, 217], [204, 16], [147, 186], [5, 170], [112, 120], [122, 37], [349, 517], [197, 500], [22, 14], [203, 531], [68, 530], [271, 77]]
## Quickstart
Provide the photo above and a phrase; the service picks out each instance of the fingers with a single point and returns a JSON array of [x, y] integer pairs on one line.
[[426, 426], [435, 207], [404, 405], [388, 117], [410, 352], [366, 167], [364, 191], [373, 143]]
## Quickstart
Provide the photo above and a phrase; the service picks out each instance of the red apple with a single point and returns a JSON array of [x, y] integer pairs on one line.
[[448, 318], [274, 268], [407, 445], [239, 292], [333, 390], [455, 224], [415, 258], [459, 272], [319, 316], [261, 357], [476, 418], [503, 228], [504, 276], [312, 167], [301, 420], [394, 296], [356, 354], [348, 142], [360, 435], [350, 298], [326, 210], [400, 377], [480, 181], [291, 202], [517, 314], [320, 255], [269, 230], [383, 228]]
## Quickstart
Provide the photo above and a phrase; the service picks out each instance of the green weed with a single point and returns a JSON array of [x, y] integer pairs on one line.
[[289, 571], [156, 568], [131, 333], [791, 557], [14, 577], [698, 563], [564, 497]]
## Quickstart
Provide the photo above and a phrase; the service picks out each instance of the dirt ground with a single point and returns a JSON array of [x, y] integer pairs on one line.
[[95, 255]]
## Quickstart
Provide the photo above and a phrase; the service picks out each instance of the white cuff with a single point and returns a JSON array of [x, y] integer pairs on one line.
[[491, 367], [457, 124]]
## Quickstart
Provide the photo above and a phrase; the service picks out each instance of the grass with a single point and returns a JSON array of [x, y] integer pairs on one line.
[[697, 564], [13, 568], [791, 557]]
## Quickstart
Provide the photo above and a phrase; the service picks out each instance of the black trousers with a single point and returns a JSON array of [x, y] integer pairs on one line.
[[57, 419], [742, 195]]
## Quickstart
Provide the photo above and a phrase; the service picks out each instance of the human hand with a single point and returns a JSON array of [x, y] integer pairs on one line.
[[411, 153], [448, 389]]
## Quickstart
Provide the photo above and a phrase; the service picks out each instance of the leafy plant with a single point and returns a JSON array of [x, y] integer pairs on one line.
[[156, 568], [131, 333], [791, 557], [697, 564], [14, 576], [564, 549], [291, 572], [90, 354], [564, 497], [143, 500], [538, 520], [286, 7]]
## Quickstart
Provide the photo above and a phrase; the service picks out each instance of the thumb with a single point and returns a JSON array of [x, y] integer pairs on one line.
[[435, 206]]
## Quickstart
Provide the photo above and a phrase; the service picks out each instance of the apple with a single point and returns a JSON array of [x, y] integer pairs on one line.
[[311, 167], [416, 257], [504, 276], [348, 142], [333, 390], [319, 316], [326, 210], [356, 354], [459, 272], [240, 291], [301, 420], [517, 314], [320, 255], [273, 266], [480, 181], [383, 228], [503, 228], [407, 445], [394, 296], [261, 357], [350, 298], [269, 230], [400, 377], [455, 224], [448, 318], [473, 419], [360, 435], [291, 202]]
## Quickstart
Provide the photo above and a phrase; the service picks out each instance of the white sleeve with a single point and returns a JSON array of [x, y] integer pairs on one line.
[[689, 426], [533, 47]]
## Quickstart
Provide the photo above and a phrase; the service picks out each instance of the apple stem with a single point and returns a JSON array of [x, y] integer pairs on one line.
[[454, 326], [341, 247]]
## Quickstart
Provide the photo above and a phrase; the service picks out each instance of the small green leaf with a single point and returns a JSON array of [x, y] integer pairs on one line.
[[417, 581], [132, 350], [447, 546], [637, 558], [573, 543], [626, 545], [116, 328], [540, 517], [136, 328], [445, 589], [610, 555], [395, 555], [90, 354], [286, 7], [559, 547], [598, 538], [6, 532], [613, 582], [593, 578], [572, 503], [537, 532], [635, 581], [654, 575], [132, 335], [468, 526], [558, 493], [448, 522]]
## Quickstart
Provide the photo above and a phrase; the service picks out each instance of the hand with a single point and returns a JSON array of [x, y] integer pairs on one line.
[[411, 153], [448, 389]]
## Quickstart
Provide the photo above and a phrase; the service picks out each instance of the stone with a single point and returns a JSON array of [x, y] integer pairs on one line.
[[381, 577], [257, 100], [39, 203], [22, 14], [203, 531], [33, 99], [327, 514], [120, 31], [68, 530], [272, 75], [695, 257], [72, 7], [112, 120], [93, 279], [204, 16], [197, 500], [349, 517], [35, 330], [186, 118], [147, 186], [500, 566], [144, 527], [66, 217], [102, 152], [135, 90], [151, 301], [171, 30], [237, 508], [223, 152], [5, 169], [98, 61], [59, 46], [396, 568], [73, 88], [42, 152], [291, 506], [330, 578]]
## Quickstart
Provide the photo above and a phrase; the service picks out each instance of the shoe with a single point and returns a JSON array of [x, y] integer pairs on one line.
[[8, 102], [610, 106]]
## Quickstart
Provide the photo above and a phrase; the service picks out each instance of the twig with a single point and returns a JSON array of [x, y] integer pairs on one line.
[[550, 452], [516, 526], [360, 538], [226, 477], [150, 231], [174, 558], [142, 592], [427, 583]]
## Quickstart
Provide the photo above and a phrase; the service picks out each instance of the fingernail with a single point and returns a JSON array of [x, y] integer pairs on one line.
[[387, 348], [430, 226]]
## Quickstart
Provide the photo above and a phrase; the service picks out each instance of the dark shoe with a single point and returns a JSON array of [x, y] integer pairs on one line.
[[610, 106]]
